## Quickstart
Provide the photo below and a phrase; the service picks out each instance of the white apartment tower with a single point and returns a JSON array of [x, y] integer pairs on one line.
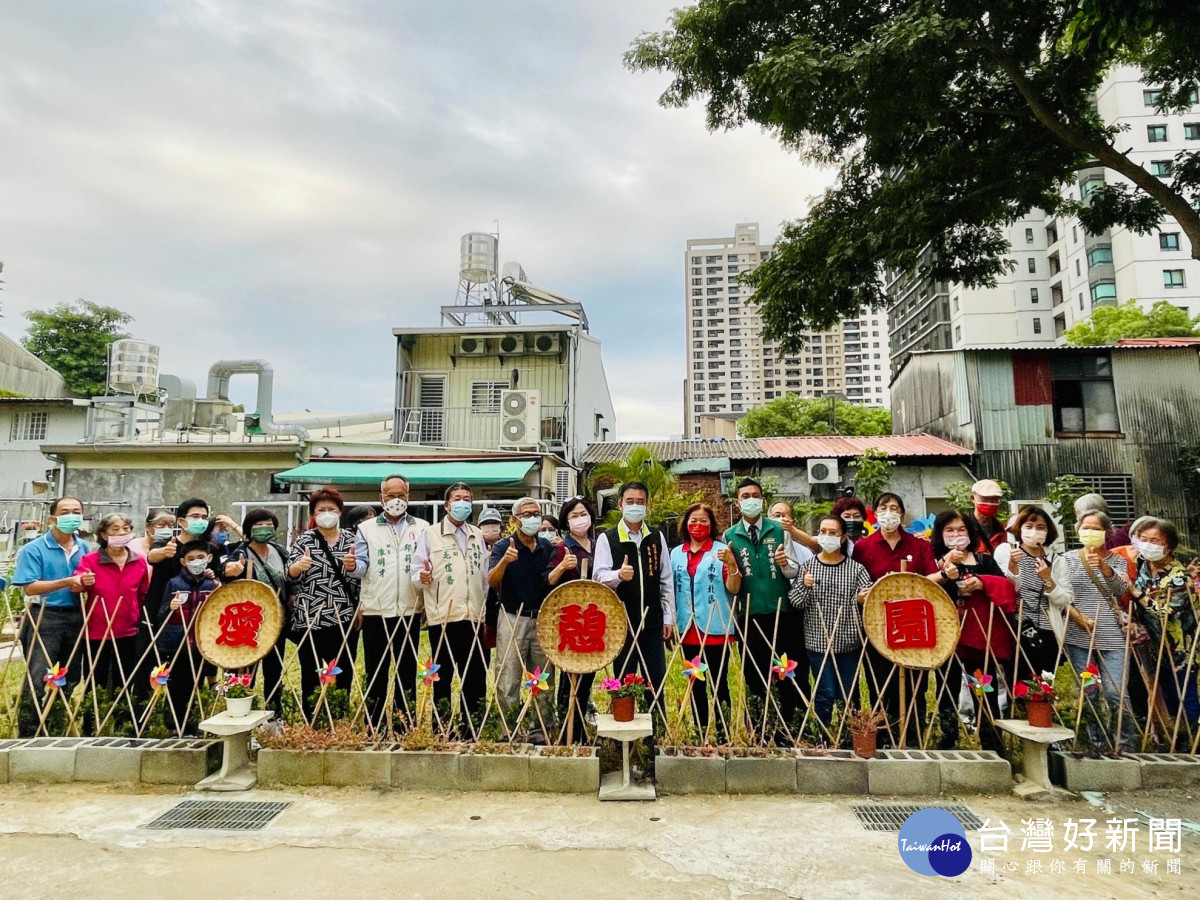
[[731, 369]]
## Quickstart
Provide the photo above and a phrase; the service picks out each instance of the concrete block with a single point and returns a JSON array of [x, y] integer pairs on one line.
[[838, 772], [1168, 769], [43, 760], [904, 772], [361, 768], [749, 775], [425, 770], [290, 768], [564, 774], [181, 761], [5, 747], [690, 774], [110, 760], [493, 772], [973, 771], [1104, 775]]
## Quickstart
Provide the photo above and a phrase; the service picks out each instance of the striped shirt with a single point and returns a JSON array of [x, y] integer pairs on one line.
[[1090, 601], [830, 606], [1030, 586]]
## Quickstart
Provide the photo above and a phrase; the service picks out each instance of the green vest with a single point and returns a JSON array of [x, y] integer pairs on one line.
[[763, 585]]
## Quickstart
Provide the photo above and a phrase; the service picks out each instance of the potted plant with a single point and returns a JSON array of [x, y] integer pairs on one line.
[[864, 730], [237, 690], [1038, 694], [625, 695]]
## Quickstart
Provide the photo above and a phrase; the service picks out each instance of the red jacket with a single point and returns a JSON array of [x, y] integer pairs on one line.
[[997, 600], [117, 595]]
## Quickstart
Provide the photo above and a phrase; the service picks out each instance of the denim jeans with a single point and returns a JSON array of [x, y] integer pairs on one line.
[[835, 677], [1111, 664]]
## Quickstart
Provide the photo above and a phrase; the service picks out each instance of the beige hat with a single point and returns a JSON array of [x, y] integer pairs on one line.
[[986, 488]]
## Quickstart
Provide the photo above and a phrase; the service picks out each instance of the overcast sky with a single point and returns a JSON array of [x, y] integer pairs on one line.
[[290, 180]]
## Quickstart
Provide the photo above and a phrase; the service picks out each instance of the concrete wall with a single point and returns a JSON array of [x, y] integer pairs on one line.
[[24, 374], [22, 462]]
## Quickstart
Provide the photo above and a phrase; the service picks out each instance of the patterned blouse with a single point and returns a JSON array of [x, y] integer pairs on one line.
[[325, 596], [1171, 594]]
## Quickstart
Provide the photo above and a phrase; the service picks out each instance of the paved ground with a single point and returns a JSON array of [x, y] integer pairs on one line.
[[73, 840]]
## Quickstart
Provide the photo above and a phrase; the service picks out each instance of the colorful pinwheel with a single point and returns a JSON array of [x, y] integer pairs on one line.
[[329, 672], [1090, 677], [537, 681], [784, 668], [55, 677], [695, 669], [429, 673], [158, 678], [980, 682], [922, 527]]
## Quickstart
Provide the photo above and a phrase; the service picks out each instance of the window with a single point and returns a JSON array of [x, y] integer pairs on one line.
[[1084, 399], [1102, 291], [1098, 256], [1156, 134], [1172, 278], [696, 292], [695, 260], [1077, 271], [1081, 299], [1032, 264], [697, 281], [1160, 168], [28, 426], [1168, 240], [1150, 98], [1090, 186], [732, 257], [1074, 235], [1029, 235], [1033, 295], [1037, 326], [1191, 131], [958, 332]]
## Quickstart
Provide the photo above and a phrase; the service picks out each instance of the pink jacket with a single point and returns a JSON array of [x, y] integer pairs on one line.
[[116, 597]]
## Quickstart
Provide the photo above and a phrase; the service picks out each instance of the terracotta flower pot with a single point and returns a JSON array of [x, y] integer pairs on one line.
[[239, 707], [623, 708], [1039, 713], [865, 743]]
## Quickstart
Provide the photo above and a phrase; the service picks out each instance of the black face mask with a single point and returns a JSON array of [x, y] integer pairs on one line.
[[854, 528]]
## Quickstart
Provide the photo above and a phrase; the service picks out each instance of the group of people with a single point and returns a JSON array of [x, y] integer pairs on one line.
[[784, 601]]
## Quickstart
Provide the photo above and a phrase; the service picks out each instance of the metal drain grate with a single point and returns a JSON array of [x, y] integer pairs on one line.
[[240, 815], [890, 816]]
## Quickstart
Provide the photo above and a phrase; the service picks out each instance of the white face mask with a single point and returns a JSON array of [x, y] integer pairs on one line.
[[531, 525], [829, 542], [1034, 537], [958, 541], [327, 519], [751, 507], [395, 507], [889, 520], [1151, 552]]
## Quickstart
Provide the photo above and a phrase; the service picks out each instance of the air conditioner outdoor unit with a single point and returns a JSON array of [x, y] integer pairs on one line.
[[512, 343], [472, 346], [822, 471], [544, 344], [520, 418]]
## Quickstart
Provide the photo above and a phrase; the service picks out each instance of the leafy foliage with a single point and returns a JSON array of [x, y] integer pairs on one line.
[[667, 501], [872, 473], [1061, 494], [73, 340], [1110, 324], [794, 415], [958, 497], [947, 119]]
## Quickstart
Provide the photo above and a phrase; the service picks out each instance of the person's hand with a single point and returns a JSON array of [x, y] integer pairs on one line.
[[970, 585], [178, 600], [209, 574], [1015, 558], [862, 595], [809, 579], [625, 573], [956, 556], [669, 635], [1094, 556], [555, 541], [170, 549], [349, 562], [725, 555], [569, 562], [1088, 622], [427, 572], [510, 555], [358, 617], [304, 563], [780, 556], [950, 571], [235, 568]]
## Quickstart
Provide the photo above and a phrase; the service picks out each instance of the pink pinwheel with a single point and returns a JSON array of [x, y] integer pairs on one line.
[[537, 681], [980, 682]]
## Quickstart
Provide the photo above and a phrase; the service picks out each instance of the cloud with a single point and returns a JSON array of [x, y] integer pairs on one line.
[[291, 180]]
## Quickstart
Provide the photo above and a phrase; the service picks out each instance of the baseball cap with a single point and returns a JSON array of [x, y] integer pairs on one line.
[[490, 514]]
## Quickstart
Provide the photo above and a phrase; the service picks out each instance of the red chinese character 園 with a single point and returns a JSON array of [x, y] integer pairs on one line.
[[581, 629], [239, 624], [910, 624]]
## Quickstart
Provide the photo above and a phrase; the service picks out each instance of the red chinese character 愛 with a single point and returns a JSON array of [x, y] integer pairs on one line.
[[239, 624], [581, 629], [910, 624]]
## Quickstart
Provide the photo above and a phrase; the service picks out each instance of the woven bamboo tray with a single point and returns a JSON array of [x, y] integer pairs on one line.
[[908, 586], [208, 627], [583, 594]]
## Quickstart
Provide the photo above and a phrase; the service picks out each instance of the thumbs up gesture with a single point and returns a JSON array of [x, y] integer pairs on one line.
[[171, 549], [625, 573], [304, 563], [780, 556], [234, 568], [349, 562], [569, 562], [510, 554], [809, 578], [427, 572], [726, 556]]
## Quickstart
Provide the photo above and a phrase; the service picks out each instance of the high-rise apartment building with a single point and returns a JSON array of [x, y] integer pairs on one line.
[[731, 369], [1061, 273]]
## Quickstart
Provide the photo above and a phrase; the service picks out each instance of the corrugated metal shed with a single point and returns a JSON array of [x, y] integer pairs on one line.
[[1160, 342], [845, 447], [673, 451]]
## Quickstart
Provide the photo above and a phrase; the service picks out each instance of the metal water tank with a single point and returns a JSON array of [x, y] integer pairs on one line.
[[133, 368], [477, 258]]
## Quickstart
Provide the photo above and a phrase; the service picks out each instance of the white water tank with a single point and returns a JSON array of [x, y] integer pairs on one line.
[[133, 368], [477, 257]]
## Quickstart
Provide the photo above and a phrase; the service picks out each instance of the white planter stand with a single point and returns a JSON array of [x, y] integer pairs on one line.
[[237, 772], [617, 785], [1035, 761]]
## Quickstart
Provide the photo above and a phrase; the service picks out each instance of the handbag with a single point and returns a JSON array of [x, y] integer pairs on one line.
[[1138, 635]]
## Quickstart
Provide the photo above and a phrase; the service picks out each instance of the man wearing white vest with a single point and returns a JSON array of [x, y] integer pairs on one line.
[[390, 603], [451, 562]]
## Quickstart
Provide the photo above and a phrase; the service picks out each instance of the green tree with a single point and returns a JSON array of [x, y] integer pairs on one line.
[[947, 119], [73, 340], [793, 415], [872, 474], [667, 501], [1110, 324]]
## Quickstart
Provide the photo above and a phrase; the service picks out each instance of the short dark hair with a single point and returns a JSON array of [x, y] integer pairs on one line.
[[1034, 512], [1169, 531], [546, 517], [354, 516], [888, 495], [54, 504], [326, 493], [457, 486], [632, 486], [944, 518], [196, 545], [181, 511], [713, 531], [830, 517], [571, 505], [254, 516], [744, 483], [845, 504]]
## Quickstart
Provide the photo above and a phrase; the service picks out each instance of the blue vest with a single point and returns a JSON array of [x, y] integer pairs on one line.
[[703, 601]]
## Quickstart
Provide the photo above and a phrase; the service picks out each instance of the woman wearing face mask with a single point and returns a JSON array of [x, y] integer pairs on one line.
[[986, 643], [324, 597], [550, 530], [1088, 584], [827, 592], [159, 525], [572, 560], [113, 606], [706, 580], [1129, 552], [1027, 563]]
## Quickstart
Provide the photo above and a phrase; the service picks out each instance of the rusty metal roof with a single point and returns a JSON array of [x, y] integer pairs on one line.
[[1160, 342], [844, 447], [673, 451]]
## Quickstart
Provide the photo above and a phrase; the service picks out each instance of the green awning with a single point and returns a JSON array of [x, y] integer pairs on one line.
[[419, 474]]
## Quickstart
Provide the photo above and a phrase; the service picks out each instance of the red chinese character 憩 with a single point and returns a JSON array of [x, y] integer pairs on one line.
[[910, 624], [581, 629], [239, 624]]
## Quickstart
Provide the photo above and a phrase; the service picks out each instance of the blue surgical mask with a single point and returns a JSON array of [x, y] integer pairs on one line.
[[460, 510], [68, 523], [751, 507], [531, 525], [163, 534], [633, 512], [221, 537]]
